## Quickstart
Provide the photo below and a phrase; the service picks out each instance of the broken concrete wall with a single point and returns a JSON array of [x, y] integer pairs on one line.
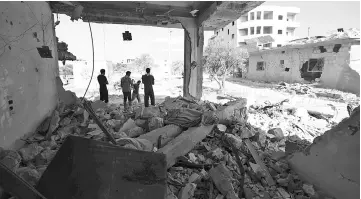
[[333, 160], [286, 65], [27, 81]]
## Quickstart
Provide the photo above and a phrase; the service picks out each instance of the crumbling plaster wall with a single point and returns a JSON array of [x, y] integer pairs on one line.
[[336, 74], [28, 87], [332, 163]]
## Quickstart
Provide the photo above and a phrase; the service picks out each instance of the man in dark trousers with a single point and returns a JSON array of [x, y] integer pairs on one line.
[[126, 84], [148, 81], [135, 93], [103, 86]]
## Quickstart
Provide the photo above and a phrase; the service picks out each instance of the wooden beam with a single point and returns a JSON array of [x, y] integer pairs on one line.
[[184, 143]]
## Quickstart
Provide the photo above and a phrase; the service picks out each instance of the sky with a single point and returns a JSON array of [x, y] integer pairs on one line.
[[320, 16]]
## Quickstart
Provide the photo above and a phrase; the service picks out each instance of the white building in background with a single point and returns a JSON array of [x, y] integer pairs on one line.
[[275, 21]]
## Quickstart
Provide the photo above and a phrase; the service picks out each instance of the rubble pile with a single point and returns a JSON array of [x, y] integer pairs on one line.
[[212, 150]]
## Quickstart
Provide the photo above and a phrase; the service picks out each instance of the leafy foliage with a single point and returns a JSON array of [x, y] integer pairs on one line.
[[177, 67], [143, 62], [66, 69], [222, 60]]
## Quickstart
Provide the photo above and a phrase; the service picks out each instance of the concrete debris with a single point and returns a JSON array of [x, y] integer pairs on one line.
[[195, 137], [187, 192]]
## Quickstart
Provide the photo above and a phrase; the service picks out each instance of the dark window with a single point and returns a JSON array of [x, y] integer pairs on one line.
[[222, 29], [283, 52], [260, 65], [232, 23], [252, 15], [280, 17], [315, 65], [252, 30], [267, 30], [258, 15], [280, 32], [279, 45], [217, 33], [232, 36], [282, 62], [267, 45], [287, 69], [268, 15], [336, 48], [228, 31], [258, 31], [322, 49]]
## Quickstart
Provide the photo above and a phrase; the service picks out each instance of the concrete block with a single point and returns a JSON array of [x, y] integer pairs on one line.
[[332, 163]]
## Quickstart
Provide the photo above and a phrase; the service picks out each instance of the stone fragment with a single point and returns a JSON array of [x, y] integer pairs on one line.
[[222, 178], [141, 123], [307, 188], [187, 192], [249, 194], [129, 124], [41, 169], [135, 132], [45, 157], [234, 140], [217, 153], [30, 175], [184, 143], [50, 144], [10, 159], [194, 177], [221, 128], [283, 193], [277, 132], [117, 135], [170, 194], [29, 152], [277, 155], [155, 123], [192, 157]]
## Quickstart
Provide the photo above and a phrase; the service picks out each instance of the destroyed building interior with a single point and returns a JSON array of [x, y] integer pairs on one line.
[[55, 144]]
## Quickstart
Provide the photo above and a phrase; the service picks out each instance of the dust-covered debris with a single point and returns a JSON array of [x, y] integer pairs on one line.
[[196, 137]]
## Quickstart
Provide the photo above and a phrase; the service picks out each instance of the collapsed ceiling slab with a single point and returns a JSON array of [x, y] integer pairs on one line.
[[211, 14]]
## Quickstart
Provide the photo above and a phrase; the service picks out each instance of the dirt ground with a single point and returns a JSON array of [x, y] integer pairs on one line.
[[255, 92]]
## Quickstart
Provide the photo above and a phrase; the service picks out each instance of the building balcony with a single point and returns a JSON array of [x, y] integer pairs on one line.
[[293, 24]]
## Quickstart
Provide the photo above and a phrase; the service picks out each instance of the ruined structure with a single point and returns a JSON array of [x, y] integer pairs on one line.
[[28, 81], [332, 61]]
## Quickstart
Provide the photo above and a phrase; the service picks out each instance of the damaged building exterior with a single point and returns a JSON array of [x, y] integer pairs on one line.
[[28, 81], [335, 62]]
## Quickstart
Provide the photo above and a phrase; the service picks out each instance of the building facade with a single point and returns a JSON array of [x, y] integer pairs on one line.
[[275, 21], [335, 62]]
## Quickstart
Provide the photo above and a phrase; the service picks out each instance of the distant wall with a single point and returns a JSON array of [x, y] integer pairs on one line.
[[27, 81], [337, 73]]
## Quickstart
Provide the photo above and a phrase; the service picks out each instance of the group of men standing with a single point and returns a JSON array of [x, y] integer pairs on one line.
[[127, 84]]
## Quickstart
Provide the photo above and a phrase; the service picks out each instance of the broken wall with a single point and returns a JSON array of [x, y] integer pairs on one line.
[[27, 81], [332, 163], [336, 73]]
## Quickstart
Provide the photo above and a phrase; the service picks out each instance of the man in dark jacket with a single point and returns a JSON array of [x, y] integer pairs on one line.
[[148, 81], [126, 84], [103, 86]]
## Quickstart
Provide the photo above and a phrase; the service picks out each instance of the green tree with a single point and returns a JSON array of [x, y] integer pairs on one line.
[[222, 60], [143, 62], [177, 67], [66, 70], [119, 67]]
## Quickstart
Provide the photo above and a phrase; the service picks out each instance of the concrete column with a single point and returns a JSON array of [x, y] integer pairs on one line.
[[193, 53]]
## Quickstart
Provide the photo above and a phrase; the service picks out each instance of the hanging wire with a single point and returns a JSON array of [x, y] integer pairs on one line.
[[91, 36]]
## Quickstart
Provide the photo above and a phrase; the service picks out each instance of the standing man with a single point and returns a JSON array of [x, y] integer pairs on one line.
[[126, 84], [148, 81], [136, 92], [103, 86]]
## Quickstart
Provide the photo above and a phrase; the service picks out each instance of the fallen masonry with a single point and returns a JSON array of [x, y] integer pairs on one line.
[[209, 151]]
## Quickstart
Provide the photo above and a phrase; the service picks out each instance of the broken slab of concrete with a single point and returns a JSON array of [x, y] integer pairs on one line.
[[222, 178], [185, 142], [332, 163], [233, 112], [187, 192], [167, 133]]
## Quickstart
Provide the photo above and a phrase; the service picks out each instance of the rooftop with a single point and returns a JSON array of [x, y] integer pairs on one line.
[[351, 35]]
